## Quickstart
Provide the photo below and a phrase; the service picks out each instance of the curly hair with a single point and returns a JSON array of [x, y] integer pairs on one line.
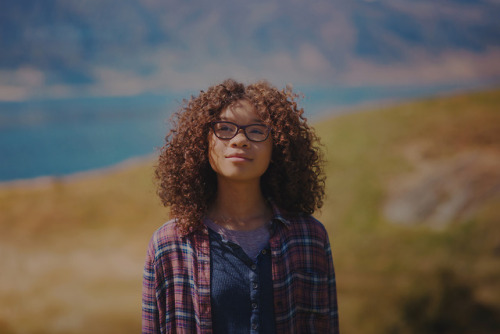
[[186, 182]]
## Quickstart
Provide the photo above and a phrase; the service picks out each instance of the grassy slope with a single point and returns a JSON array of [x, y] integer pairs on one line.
[[75, 252], [72, 252], [379, 263]]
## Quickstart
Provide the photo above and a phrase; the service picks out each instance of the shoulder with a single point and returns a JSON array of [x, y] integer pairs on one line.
[[300, 220], [165, 239], [295, 219], [305, 226], [166, 233]]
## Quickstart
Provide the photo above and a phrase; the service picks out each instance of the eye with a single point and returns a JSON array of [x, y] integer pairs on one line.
[[224, 127], [258, 129]]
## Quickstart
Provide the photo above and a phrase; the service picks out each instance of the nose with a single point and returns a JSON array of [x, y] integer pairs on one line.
[[240, 140]]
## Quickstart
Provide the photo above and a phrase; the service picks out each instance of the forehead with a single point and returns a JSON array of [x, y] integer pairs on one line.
[[241, 111]]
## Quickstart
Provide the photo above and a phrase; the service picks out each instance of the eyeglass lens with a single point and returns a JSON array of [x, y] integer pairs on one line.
[[254, 132]]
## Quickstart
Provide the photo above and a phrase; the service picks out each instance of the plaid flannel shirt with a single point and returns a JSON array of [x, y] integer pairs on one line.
[[176, 286]]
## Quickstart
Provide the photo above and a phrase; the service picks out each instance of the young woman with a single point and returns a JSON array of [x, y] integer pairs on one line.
[[241, 174]]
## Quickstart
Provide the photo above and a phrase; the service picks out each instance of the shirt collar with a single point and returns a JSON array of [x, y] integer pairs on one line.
[[278, 214]]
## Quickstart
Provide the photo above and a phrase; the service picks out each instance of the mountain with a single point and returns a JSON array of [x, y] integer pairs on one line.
[[58, 48]]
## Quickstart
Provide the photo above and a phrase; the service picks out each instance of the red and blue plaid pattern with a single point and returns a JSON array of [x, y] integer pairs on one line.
[[176, 286]]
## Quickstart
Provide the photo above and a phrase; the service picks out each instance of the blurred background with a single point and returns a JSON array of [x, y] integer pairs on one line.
[[404, 94]]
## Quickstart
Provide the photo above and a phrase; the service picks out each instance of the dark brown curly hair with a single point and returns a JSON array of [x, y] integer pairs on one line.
[[187, 184]]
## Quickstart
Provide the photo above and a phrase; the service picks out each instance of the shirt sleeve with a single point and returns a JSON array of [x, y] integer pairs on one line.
[[332, 287], [150, 309]]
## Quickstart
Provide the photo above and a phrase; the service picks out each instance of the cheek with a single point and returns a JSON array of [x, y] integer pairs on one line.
[[268, 153], [270, 147], [214, 150]]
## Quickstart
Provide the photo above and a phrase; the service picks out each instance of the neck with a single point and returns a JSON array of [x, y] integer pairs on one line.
[[240, 206]]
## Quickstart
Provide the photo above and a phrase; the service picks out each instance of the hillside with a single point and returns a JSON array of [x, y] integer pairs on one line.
[[73, 249], [391, 250]]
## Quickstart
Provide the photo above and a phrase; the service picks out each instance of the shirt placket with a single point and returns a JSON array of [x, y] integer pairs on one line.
[[255, 300], [254, 279]]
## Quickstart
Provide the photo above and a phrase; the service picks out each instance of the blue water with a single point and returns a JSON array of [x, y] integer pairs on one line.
[[56, 138]]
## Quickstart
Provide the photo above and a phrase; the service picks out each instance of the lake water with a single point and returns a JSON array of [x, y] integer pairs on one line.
[[56, 138]]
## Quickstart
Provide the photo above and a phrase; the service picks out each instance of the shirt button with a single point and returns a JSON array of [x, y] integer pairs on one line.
[[264, 251], [254, 326], [254, 305], [255, 285], [253, 267]]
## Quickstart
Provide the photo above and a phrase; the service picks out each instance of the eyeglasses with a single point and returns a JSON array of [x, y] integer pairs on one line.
[[228, 130]]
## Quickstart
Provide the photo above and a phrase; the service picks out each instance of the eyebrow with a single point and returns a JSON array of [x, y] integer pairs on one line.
[[253, 120]]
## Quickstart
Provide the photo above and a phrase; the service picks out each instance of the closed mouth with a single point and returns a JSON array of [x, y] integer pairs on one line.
[[238, 157]]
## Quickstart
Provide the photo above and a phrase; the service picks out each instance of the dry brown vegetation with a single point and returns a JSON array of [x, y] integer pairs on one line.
[[384, 267], [72, 251]]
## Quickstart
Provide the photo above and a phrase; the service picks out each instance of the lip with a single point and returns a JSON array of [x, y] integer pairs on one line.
[[238, 157]]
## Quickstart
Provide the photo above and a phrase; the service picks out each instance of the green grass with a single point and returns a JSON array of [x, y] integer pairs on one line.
[[72, 251]]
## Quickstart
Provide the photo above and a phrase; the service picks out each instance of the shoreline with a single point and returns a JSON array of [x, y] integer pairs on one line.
[[333, 112], [49, 180], [377, 104]]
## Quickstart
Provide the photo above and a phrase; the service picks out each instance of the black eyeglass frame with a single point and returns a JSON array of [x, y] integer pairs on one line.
[[241, 127]]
